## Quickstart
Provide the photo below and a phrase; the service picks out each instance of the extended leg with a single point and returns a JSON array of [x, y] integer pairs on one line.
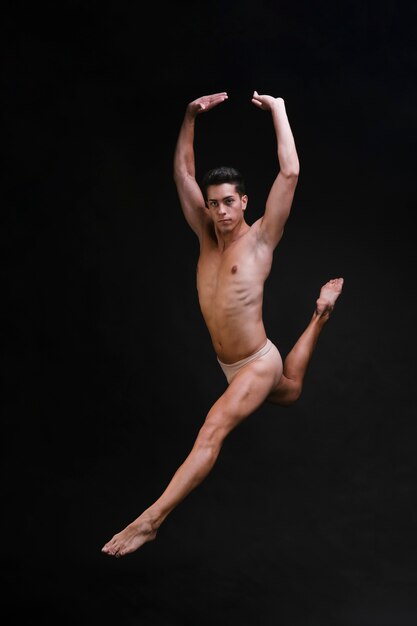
[[241, 398], [195, 468], [295, 364]]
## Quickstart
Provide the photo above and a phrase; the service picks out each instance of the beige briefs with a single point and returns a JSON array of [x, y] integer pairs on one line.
[[230, 370]]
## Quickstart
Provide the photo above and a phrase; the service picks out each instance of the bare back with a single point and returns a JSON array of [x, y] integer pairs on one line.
[[230, 285]]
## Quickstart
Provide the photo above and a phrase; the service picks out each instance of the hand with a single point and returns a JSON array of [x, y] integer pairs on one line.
[[265, 102], [205, 103]]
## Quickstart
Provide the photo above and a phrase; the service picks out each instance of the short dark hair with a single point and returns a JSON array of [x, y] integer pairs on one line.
[[223, 174]]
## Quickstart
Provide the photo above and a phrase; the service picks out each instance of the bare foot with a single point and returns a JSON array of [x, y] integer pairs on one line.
[[329, 293], [130, 538]]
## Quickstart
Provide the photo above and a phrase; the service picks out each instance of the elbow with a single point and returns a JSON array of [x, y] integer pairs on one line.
[[294, 169], [292, 174], [178, 174], [291, 169], [176, 169]]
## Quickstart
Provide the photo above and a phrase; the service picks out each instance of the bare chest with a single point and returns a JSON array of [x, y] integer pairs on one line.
[[223, 276]]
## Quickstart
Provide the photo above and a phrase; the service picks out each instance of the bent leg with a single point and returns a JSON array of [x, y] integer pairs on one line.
[[242, 397], [296, 363]]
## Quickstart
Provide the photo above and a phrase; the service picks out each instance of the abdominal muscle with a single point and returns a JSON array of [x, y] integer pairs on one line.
[[233, 315], [230, 285]]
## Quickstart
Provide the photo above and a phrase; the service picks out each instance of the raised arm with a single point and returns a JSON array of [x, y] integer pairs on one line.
[[281, 195], [189, 192]]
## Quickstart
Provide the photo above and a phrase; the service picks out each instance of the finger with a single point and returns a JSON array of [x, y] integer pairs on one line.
[[219, 96]]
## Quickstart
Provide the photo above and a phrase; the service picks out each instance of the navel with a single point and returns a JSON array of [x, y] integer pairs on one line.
[[234, 269]]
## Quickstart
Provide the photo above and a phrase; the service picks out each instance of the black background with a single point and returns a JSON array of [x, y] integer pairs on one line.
[[309, 516]]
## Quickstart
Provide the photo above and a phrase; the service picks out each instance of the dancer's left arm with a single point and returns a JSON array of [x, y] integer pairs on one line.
[[281, 195]]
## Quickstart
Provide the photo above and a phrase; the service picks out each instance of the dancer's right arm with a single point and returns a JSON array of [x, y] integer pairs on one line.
[[189, 192]]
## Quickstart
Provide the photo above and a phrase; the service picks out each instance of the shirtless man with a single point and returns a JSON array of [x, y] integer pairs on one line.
[[235, 260]]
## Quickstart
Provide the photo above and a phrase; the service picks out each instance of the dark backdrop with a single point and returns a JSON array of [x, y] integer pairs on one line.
[[309, 516]]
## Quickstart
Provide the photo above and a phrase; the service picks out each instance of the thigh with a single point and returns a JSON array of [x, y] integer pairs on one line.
[[248, 390]]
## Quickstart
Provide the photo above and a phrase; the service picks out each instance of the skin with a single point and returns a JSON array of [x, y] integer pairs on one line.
[[234, 262]]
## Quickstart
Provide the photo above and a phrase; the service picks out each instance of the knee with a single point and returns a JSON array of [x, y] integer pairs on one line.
[[289, 395], [288, 401], [295, 393], [208, 444], [211, 434]]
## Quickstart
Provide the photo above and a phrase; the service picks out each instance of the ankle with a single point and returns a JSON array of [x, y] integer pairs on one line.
[[152, 518]]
